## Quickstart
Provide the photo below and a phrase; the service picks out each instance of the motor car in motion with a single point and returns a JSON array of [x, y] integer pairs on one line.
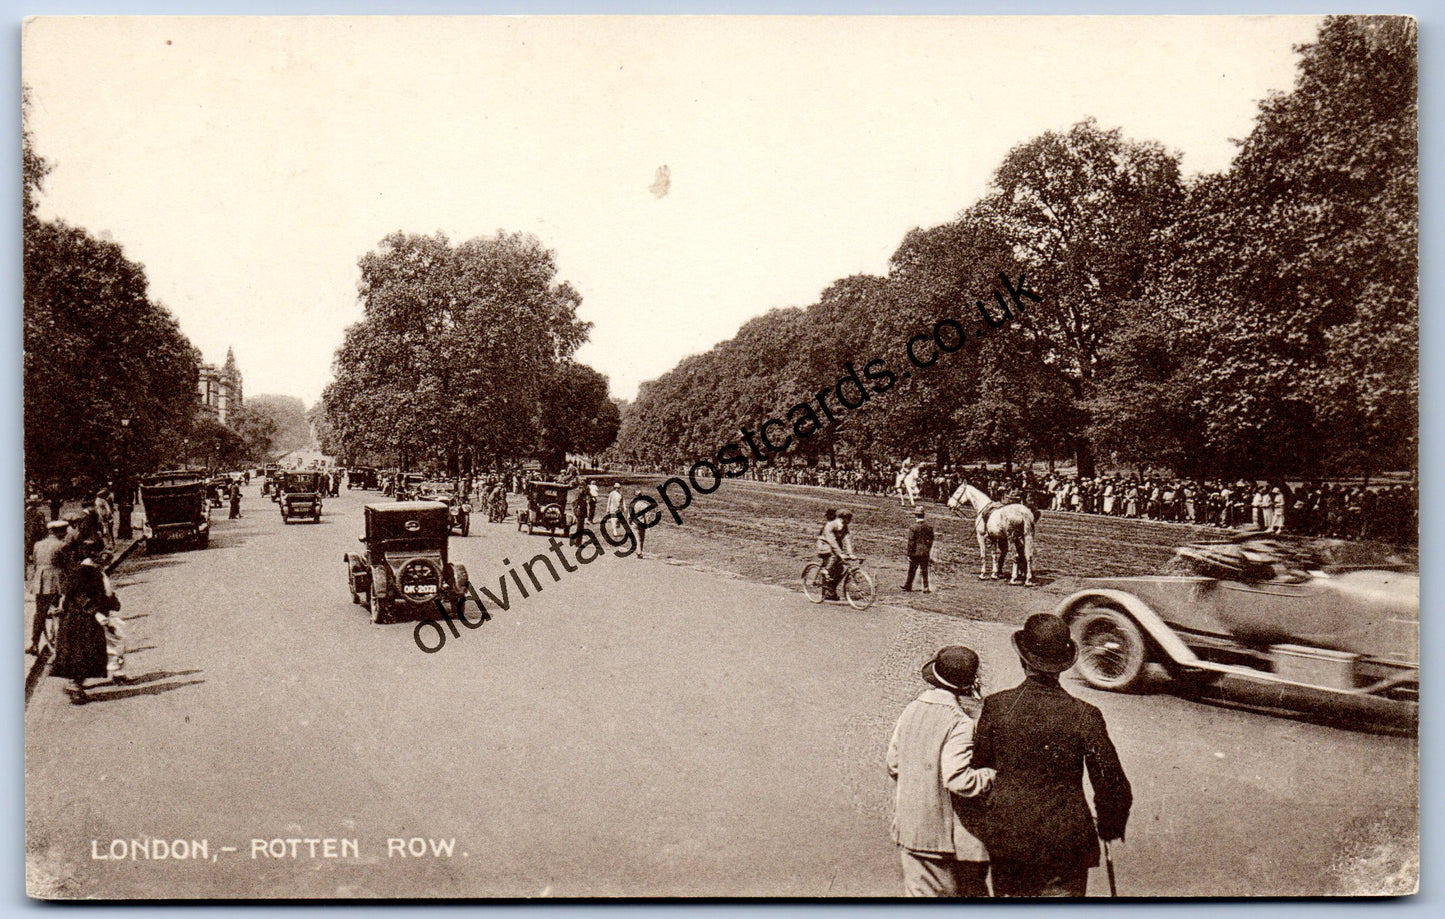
[[299, 494], [404, 569], [177, 510], [546, 508], [1262, 623], [448, 492]]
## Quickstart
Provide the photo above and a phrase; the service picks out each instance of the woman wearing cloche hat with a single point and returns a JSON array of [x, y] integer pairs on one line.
[[938, 799]]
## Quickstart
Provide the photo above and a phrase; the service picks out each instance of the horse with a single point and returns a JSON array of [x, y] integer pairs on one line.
[[997, 526]]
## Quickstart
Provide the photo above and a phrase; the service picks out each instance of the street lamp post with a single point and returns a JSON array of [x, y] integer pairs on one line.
[[127, 487]]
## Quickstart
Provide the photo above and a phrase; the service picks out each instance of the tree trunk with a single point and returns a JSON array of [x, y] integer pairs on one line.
[[1084, 458]]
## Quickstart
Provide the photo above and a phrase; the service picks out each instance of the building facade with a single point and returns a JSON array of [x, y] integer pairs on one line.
[[220, 390]]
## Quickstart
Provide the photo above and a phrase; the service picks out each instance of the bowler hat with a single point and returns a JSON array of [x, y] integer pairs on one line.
[[952, 668], [1044, 643]]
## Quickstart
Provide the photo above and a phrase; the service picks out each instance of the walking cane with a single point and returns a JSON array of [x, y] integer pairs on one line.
[[1109, 866]]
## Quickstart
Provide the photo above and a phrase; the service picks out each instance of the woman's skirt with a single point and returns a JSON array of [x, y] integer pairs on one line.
[[79, 646]]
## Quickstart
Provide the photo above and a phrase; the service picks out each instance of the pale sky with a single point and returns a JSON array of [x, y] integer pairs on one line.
[[249, 162]]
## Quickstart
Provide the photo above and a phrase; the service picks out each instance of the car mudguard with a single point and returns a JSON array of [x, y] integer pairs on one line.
[[1165, 638]]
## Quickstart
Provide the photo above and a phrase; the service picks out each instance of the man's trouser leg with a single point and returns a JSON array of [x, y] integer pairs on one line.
[[43, 605], [1020, 879], [928, 874], [912, 569]]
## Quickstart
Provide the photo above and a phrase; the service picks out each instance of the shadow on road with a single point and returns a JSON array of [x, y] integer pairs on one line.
[[136, 686]]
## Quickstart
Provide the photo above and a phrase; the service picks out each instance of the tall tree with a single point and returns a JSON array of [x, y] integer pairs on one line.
[[1081, 209], [1293, 277]]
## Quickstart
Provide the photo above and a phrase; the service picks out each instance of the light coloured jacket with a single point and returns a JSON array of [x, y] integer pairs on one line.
[[47, 578], [938, 805]]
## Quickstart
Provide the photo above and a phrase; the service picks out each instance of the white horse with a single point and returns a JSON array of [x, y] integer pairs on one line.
[[997, 526]]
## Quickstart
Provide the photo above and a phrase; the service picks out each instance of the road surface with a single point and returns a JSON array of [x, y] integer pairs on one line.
[[641, 727]]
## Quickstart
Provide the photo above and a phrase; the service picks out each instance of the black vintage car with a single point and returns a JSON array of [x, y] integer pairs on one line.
[[408, 485], [364, 477], [403, 570], [546, 508], [177, 511], [449, 493], [299, 494]]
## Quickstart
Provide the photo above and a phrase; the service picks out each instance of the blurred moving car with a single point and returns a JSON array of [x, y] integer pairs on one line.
[[177, 510], [404, 568], [1263, 623]]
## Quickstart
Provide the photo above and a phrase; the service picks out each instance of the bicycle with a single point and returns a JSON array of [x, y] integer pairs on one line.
[[854, 585]]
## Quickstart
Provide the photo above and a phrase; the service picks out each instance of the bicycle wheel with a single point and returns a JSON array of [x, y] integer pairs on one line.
[[813, 582], [858, 589]]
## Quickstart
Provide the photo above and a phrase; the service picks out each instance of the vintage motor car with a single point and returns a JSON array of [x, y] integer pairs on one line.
[[404, 570], [1263, 624], [363, 477], [546, 508], [270, 471], [299, 494], [407, 485], [448, 493], [177, 510]]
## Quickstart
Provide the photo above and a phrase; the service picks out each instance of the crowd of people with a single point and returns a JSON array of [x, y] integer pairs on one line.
[[1342, 510], [76, 606]]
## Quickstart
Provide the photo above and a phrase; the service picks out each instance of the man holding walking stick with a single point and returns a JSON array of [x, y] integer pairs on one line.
[[1040, 740]]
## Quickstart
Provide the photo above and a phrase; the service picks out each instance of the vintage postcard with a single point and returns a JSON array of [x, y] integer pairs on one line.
[[710, 456]]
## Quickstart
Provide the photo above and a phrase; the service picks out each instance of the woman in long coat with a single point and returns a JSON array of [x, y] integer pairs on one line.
[[80, 639]]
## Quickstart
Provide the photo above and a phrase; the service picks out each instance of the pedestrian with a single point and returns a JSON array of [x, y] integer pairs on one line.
[[614, 499], [639, 528], [114, 627], [105, 514], [80, 652], [46, 582], [920, 546], [939, 794], [592, 496], [1040, 834], [36, 524], [234, 493]]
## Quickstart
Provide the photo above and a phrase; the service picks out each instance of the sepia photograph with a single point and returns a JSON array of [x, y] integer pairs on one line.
[[813, 457]]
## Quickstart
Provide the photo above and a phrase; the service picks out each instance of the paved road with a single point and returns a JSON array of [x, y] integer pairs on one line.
[[638, 728]]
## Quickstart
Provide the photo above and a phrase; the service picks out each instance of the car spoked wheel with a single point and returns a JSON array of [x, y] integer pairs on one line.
[[858, 589], [1111, 648]]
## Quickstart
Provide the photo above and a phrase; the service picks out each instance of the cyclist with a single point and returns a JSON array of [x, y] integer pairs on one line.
[[835, 543]]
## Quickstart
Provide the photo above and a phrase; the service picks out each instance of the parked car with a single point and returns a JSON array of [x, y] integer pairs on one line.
[[1268, 628], [449, 493], [404, 568], [177, 510], [546, 508], [300, 495], [364, 477]]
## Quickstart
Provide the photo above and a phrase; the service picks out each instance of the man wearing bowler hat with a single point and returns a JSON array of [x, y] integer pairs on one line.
[[937, 811], [1039, 832]]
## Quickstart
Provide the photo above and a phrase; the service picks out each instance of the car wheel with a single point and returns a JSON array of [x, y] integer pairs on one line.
[[460, 579], [377, 608], [351, 584], [203, 540], [466, 524], [1112, 653], [813, 582]]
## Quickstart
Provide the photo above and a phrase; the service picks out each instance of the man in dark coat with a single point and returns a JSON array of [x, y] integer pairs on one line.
[[1039, 832], [920, 544]]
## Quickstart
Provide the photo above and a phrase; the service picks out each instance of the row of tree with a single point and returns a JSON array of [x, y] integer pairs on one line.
[[110, 379], [1260, 322], [463, 360]]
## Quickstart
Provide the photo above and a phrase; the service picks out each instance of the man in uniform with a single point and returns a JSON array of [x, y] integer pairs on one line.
[[920, 545]]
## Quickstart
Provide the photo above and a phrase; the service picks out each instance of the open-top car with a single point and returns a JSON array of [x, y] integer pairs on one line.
[[546, 508], [299, 494], [177, 510], [449, 493], [408, 485], [404, 569], [364, 477], [1262, 623]]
